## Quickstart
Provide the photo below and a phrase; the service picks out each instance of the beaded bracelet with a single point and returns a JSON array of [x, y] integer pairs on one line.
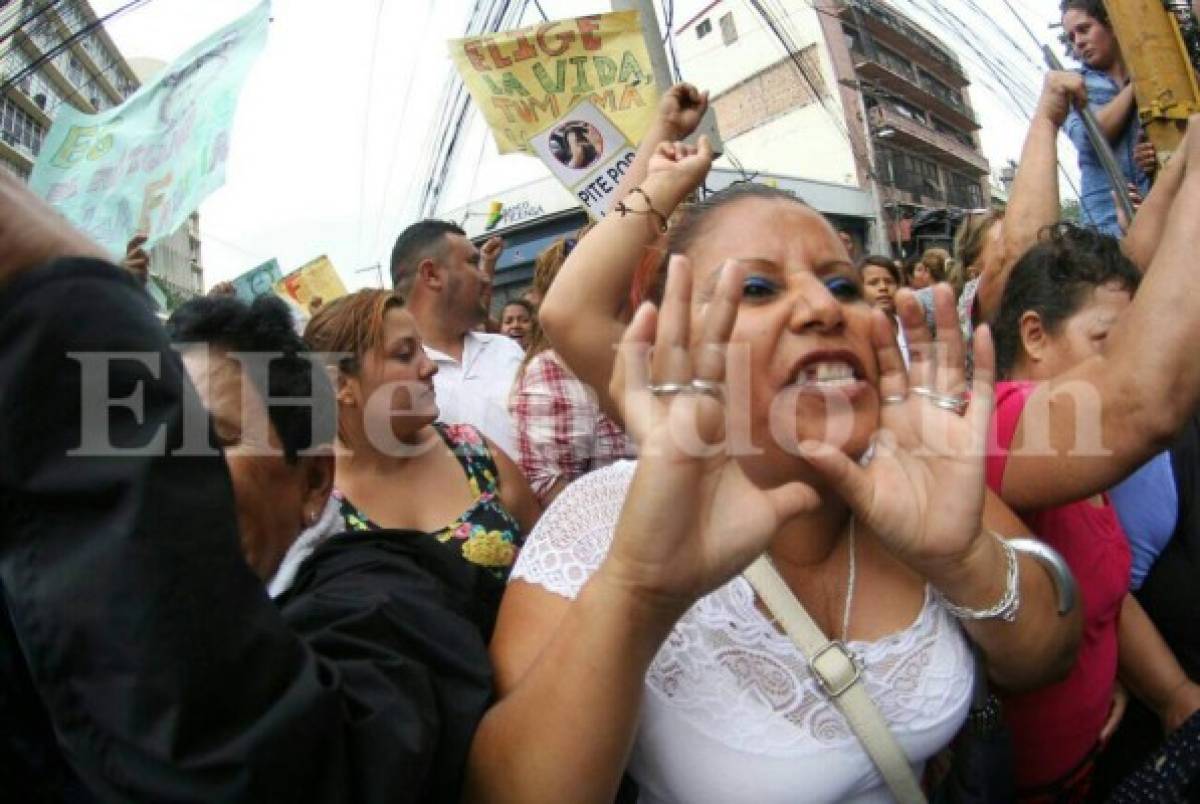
[[1009, 603], [650, 210]]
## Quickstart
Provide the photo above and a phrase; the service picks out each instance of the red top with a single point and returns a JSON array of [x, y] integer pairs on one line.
[[1054, 728]]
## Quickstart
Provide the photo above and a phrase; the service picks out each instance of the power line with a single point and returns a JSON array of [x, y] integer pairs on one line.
[[366, 126], [963, 33], [387, 182], [35, 64], [20, 25]]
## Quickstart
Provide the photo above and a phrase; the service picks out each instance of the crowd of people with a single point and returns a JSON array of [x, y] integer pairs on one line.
[[720, 510]]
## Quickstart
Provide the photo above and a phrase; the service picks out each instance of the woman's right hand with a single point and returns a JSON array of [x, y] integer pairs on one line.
[[680, 111], [676, 169], [692, 519]]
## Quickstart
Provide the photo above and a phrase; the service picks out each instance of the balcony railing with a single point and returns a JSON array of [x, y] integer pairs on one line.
[[919, 136], [902, 32], [916, 90]]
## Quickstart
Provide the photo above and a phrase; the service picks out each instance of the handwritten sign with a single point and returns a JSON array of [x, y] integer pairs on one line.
[[588, 154], [145, 165], [524, 80], [314, 279]]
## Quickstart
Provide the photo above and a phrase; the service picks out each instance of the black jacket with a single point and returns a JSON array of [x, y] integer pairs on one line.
[[140, 659]]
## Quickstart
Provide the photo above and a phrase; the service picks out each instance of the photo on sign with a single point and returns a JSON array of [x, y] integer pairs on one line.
[[577, 144]]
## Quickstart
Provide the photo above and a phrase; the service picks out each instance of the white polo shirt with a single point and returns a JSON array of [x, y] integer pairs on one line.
[[476, 390]]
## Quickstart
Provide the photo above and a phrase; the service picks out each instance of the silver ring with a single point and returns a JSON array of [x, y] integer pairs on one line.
[[955, 403], [710, 387], [672, 389], [894, 399]]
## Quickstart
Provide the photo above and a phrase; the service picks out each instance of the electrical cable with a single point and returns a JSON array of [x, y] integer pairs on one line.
[[963, 33], [21, 25], [387, 182], [366, 126], [67, 42]]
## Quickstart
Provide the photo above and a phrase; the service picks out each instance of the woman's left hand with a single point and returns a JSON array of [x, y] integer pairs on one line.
[[922, 492]]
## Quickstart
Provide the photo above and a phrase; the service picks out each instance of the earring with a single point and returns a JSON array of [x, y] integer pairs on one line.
[[312, 518]]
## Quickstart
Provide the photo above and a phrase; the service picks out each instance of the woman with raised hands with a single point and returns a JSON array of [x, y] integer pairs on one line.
[[627, 634], [1098, 378]]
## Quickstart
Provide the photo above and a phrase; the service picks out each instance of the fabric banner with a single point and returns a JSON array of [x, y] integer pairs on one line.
[[524, 80], [146, 165], [258, 281], [316, 279], [588, 154]]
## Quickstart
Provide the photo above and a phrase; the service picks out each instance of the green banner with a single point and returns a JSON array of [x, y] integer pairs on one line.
[[146, 165]]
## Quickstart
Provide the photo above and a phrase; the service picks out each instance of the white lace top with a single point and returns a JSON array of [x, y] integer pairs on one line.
[[731, 712]]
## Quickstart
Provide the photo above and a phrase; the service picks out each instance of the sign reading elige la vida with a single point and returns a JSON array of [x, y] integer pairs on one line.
[[524, 80]]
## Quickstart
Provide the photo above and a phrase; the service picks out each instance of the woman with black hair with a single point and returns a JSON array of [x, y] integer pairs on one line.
[[1095, 382]]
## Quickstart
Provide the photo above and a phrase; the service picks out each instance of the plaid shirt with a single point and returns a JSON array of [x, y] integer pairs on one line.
[[561, 432]]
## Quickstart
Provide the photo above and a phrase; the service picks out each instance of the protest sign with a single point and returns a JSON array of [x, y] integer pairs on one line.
[[258, 281], [588, 154], [524, 80], [314, 279], [145, 165]]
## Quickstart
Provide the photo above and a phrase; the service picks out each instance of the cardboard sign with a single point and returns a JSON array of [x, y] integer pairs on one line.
[[524, 80], [588, 154], [313, 279], [146, 165]]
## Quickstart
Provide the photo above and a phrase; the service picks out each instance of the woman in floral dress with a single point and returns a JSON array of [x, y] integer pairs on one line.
[[396, 466]]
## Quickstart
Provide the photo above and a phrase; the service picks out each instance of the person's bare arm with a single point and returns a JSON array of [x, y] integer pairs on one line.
[[584, 721], [1034, 201], [581, 314], [489, 255], [137, 259], [1146, 231], [679, 113], [1115, 116], [1129, 401], [32, 234], [1150, 670], [1041, 646], [515, 493]]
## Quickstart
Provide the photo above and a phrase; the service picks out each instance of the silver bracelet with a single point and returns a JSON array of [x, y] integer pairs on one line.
[[1060, 574], [1010, 602]]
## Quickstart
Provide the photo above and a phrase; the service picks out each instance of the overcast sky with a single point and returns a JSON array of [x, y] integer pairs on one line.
[[325, 157]]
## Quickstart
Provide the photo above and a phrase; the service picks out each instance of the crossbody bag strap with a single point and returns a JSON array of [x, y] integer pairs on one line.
[[840, 677]]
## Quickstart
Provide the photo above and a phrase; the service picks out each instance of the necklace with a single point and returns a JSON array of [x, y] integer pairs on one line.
[[849, 586], [850, 581]]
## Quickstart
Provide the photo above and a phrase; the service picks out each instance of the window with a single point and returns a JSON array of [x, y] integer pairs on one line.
[[728, 29], [895, 63], [17, 128], [703, 29], [852, 39]]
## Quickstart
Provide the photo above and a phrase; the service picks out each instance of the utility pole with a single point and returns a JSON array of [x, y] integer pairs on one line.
[[662, 68], [1157, 59]]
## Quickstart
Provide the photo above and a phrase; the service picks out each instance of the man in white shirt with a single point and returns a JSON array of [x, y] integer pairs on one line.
[[443, 278]]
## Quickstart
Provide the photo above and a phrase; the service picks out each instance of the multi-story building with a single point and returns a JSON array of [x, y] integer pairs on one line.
[[843, 91], [847, 103], [87, 72]]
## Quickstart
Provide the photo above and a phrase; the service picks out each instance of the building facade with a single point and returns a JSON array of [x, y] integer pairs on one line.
[[843, 91], [45, 64]]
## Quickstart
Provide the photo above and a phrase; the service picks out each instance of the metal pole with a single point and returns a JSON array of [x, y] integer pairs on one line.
[[662, 68], [873, 176], [1099, 144]]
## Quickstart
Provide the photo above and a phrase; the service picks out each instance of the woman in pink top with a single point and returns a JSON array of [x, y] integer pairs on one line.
[[1095, 383]]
